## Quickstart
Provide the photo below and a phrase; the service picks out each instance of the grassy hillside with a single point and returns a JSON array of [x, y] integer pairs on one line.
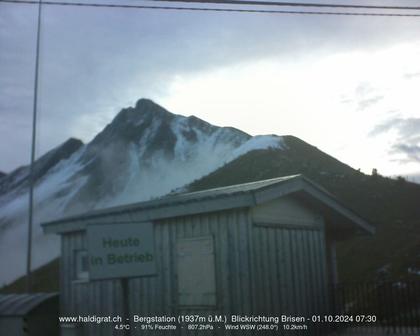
[[393, 206]]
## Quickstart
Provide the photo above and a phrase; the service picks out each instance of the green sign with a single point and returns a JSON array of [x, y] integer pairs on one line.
[[120, 250]]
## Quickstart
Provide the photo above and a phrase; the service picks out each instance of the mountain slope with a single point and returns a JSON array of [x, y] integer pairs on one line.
[[137, 146], [18, 180], [145, 152], [391, 205]]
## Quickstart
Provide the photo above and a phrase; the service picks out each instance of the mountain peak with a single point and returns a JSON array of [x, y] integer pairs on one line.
[[131, 123], [72, 143], [146, 104], [145, 110], [148, 107]]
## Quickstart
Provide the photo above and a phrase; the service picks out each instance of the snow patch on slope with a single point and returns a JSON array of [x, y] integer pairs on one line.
[[50, 196], [259, 142]]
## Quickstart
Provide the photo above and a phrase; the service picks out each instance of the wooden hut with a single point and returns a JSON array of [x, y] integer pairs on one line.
[[263, 248]]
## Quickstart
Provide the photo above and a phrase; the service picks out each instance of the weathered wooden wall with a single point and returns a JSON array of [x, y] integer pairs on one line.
[[260, 268]]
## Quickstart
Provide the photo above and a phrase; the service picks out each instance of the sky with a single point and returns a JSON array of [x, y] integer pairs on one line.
[[347, 85]]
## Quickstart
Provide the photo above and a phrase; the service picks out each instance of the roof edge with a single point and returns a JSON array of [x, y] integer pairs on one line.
[[332, 201], [211, 200]]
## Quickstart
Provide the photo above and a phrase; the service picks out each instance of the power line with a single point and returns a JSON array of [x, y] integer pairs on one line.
[[292, 4], [208, 9]]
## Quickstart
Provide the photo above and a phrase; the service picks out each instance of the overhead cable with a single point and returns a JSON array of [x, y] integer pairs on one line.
[[207, 9]]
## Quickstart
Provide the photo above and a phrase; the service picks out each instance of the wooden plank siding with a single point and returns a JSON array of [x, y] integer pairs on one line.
[[259, 269]]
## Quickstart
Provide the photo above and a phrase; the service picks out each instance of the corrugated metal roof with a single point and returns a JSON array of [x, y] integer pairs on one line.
[[228, 190], [245, 194], [22, 304], [175, 199]]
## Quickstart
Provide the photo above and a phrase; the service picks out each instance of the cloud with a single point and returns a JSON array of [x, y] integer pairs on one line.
[[96, 61], [363, 104], [385, 126], [16, 84], [407, 142], [412, 75], [412, 152], [364, 96]]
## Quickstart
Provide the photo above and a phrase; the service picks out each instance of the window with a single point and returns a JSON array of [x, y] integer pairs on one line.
[[196, 272], [81, 265]]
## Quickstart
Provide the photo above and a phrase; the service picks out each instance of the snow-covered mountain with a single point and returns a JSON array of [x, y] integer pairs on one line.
[[144, 152]]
